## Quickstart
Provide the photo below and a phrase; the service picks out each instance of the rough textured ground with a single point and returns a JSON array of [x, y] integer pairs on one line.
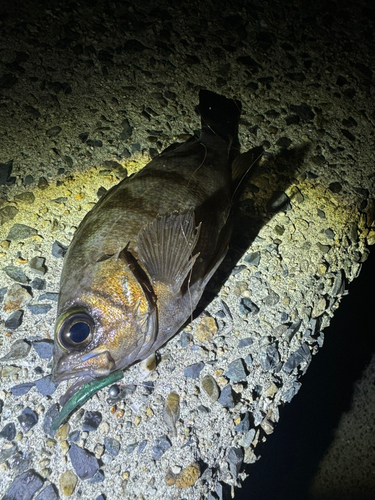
[[90, 90]]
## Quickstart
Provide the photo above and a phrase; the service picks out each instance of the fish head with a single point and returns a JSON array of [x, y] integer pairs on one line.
[[106, 326]]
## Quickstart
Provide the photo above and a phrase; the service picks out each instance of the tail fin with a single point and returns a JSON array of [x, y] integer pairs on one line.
[[219, 114]]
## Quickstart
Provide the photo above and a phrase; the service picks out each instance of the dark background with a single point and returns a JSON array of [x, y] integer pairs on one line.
[[290, 458]]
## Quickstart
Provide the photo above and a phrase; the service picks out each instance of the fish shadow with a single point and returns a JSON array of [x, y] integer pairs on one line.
[[262, 197]]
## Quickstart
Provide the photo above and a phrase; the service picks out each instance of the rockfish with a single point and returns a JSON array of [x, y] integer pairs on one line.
[[141, 258]]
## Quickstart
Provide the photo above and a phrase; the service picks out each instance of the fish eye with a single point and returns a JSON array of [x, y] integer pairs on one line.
[[76, 331]]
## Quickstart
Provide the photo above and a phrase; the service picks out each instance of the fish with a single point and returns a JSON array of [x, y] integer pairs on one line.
[[140, 260]]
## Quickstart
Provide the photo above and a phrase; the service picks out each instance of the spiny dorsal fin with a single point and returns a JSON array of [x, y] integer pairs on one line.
[[166, 246]]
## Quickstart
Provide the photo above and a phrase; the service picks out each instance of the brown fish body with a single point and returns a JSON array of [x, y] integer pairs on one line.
[[141, 258]]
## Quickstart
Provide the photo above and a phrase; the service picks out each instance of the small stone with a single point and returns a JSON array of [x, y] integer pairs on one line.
[[253, 259], [39, 308], [44, 348], [18, 350], [171, 412], [59, 250], [269, 358], [37, 265], [244, 425], [49, 493], [14, 320], [46, 385], [319, 307], [21, 389], [279, 201], [68, 482], [236, 371], [5, 168], [7, 451], [206, 329], [24, 486], [247, 438], [323, 248], [235, 459], [226, 398], [194, 370], [98, 477], [85, 464], [16, 298], [9, 371], [91, 421], [272, 299], [49, 296], [335, 187], [16, 274], [27, 419], [162, 444], [210, 386], [38, 284], [62, 432], [185, 339], [51, 414], [245, 342], [130, 448], [8, 432], [43, 183], [112, 446], [188, 476], [248, 307], [26, 197], [20, 232], [302, 355], [54, 131]]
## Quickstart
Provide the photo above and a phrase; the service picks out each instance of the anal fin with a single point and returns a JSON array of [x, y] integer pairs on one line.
[[165, 247]]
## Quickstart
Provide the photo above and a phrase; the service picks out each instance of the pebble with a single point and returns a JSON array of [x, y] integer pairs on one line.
[[279, 201], [236, 371], [248, 307], [162, 444], [253, 259], [269, 358], [54, 296], [210, 387], [112, 446], [38, 284], [37, 265], [98, 477], [247, 438], [206, 329], [244, 425], [50, 415], [68, 482], [49, 493], [45, 385], [7, 451], [302, 355], [14, 320], [39, 308], [185, 339], [91, 421], [85, 464], [226, 398], [59, 250], [171, 412], [7, 214], [16, 298], [9, 371], [16, 274], [20, 232], [27, 419], [245, 342], [44, 348], [18, 350], [235, 459], [186, 478], [3, 291], [8, 432], [194, 370], [130, 448], [24, 486], [53, 131], [21, 389]]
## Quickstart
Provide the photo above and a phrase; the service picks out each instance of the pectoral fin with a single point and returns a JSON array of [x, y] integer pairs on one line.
[[166, 247]]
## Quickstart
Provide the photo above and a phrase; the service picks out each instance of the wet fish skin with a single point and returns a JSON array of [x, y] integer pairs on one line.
[[141, 258]]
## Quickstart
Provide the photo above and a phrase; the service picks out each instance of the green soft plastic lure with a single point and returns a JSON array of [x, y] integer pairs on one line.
[[82, 395]]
